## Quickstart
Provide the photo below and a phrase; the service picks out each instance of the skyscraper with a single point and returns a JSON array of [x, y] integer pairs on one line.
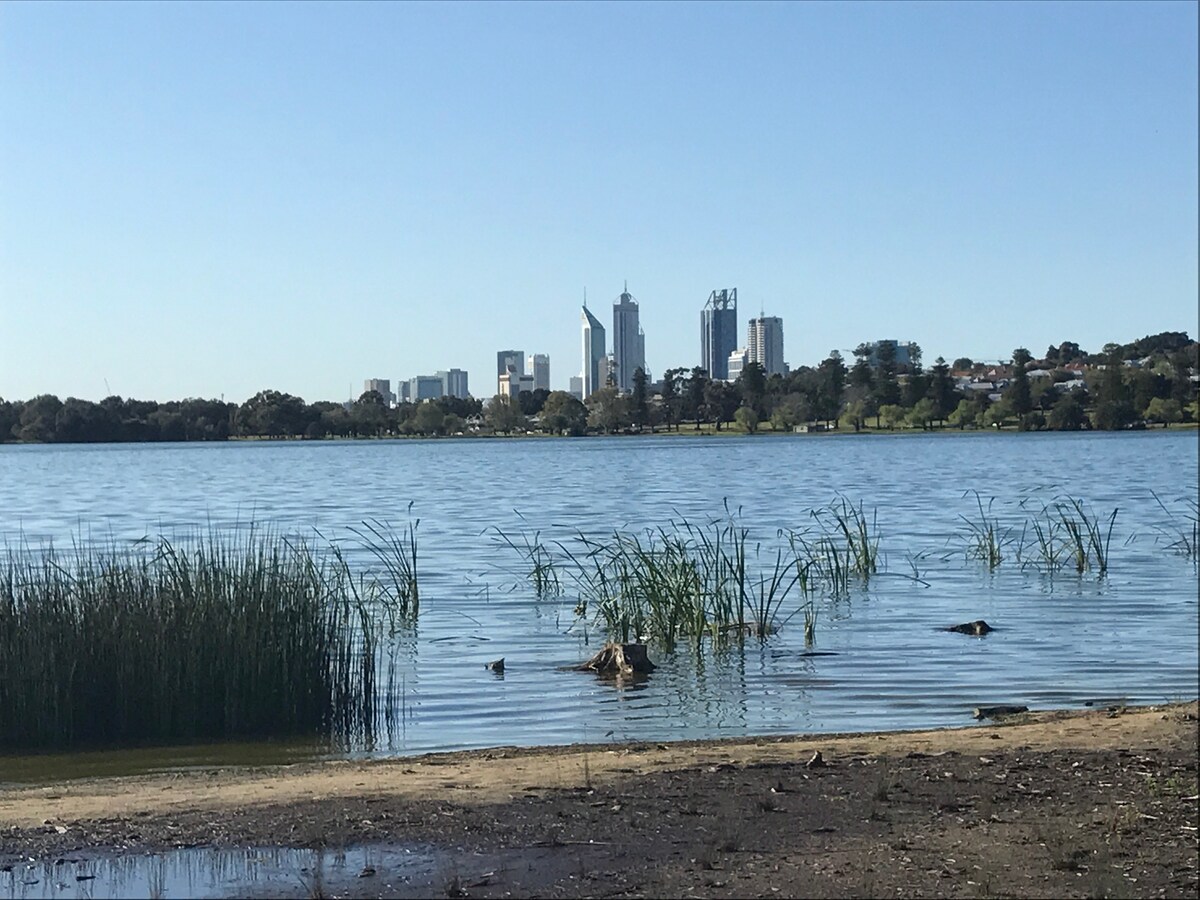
[[764, 344], [718, 333], [593, 354], [541, 372], [506, 360], [629, 342], [454, 383]]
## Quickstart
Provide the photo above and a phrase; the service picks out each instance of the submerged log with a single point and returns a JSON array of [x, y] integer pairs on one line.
[[619, 659], [978, 628]]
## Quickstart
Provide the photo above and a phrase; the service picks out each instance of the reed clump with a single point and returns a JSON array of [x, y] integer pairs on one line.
[[209, 638], [989, 540], [1182, 530], [688, 581], [679, 581], [540, 567], [1067, 534]]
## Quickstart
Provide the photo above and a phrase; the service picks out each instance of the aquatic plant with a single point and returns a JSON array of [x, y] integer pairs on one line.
[[1185, 535], [542, 571], [207, 638], [1066, 533], [688, 580], [396, 553], [988, 538]]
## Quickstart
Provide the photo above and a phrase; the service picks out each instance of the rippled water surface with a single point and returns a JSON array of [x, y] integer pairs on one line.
[[1062, 641]]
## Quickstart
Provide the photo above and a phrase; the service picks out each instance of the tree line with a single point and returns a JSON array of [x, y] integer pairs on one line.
[[1069, 389]]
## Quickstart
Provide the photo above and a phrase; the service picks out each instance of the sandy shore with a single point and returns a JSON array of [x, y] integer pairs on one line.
[[1092, 803]]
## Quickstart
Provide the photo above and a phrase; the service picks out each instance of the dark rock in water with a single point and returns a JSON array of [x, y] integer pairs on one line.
[[619, 659], [995, 712], [977, 628], [496, 665]]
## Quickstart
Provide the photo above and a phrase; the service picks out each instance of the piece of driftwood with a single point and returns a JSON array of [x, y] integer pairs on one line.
[[619, 659], [995, 712], [978, 628]]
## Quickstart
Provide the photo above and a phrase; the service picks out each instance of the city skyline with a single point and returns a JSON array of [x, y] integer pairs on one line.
[[211, 200]]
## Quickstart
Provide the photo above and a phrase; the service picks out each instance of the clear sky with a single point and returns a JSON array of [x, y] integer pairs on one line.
[[212, 199]]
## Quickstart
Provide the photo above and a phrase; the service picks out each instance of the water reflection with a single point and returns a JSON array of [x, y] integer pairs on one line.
[[209, 872]]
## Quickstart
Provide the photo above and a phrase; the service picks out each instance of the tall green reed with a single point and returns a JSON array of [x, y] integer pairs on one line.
[[988, 539], [206, 638]]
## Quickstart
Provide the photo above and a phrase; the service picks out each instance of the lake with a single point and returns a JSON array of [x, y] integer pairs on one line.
[[1062, 639]]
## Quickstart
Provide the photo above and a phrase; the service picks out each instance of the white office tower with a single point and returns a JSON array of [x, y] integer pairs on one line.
[[764, 344]]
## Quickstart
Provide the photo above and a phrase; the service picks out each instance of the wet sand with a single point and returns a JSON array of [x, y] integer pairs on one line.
[[1091, 803]]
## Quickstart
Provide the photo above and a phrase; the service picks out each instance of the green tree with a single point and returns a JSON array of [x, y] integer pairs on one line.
[[791, 410], [857, 412], [887, 386], [964, 415], [862, 376], [1067, 414], [697, 389], [752, 385], [998, 413], [922, 414], [1018, 394], [831, 391], [639, 410], [963, 364], [722, 400], [37, 424], [671, 401], [504, 416], [429, 418], [273, 414], [941, 391], [608, 410], [747, 418], [564, 414], [1114, 409], [892, 414], [10, 415], [1165, 411]]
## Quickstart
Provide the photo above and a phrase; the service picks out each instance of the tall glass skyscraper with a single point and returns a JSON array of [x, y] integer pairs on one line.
[[629, 342], [718, 333], [593, 353]]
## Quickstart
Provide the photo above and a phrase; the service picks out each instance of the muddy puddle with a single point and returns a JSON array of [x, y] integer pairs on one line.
[[376, 870]]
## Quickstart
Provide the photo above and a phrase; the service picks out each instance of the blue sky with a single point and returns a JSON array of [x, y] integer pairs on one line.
[[212, 199]]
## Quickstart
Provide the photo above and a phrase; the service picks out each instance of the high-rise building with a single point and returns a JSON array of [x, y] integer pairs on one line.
[[424, 387], [629, 341], [509, 360], [512, 383], [593, 354], [737, 362], [454, 383], [383, 386], [718, 333], [764, 344], [541, 372], [576, 387]]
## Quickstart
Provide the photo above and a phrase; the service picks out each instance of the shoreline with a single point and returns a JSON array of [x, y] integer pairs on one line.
[[950, 784]]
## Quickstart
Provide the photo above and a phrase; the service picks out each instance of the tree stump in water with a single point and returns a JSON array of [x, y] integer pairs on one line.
[[619, 659], [978, 628]]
